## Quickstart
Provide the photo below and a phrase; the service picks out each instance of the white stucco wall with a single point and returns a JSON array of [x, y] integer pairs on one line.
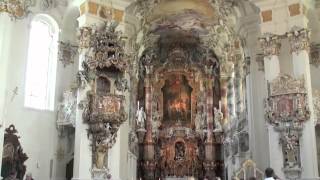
[[36, 128]]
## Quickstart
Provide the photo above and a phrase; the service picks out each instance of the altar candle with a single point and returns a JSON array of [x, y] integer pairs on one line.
[[138, 108], [220, 105]]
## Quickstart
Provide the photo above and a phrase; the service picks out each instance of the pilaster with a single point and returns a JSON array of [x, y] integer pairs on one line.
[[299, 44], [271, 45], [226, 73]]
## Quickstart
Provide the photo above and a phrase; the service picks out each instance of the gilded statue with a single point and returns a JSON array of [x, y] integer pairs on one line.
[[100, 156]]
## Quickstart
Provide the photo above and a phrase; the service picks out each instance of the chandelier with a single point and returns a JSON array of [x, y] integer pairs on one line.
[[17, 9]]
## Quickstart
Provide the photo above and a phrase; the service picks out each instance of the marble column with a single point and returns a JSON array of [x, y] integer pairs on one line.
[[299, 41], [148, 104], [224, 99], [149, 151], [238, 88], [82, 148], [231, 97], [209, 109], [210, 150], [271, 45]]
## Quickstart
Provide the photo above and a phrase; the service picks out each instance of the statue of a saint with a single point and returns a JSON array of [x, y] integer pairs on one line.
[[140, 118], [218, 116], [291, 145]]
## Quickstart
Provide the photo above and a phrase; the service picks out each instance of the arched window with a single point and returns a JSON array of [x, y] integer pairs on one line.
[[42, 63]]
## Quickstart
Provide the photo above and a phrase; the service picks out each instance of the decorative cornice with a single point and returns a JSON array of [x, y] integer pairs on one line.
[[299, 39], [270, 44], [102, 10]]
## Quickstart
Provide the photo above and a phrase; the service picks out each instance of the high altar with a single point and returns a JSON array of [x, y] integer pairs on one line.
[[179, 94]]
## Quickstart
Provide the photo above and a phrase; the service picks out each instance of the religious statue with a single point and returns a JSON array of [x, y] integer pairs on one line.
[[82, 79], [290, 144], [140, 118], [66, 109], [100, 155], [218, 116]]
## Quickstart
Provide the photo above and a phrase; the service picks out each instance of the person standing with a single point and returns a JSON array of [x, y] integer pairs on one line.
[[29, 176], [269, 173]]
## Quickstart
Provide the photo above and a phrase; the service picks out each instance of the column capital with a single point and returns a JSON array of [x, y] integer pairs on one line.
[[226, 70], [270, 44], [299, 39]]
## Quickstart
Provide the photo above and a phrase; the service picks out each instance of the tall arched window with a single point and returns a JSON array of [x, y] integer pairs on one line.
[[42, 63]]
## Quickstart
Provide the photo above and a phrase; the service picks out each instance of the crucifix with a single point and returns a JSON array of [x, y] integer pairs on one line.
[[14, 93]]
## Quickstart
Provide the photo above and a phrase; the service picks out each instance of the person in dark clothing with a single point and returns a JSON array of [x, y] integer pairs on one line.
[[29, 176], [269, 174]]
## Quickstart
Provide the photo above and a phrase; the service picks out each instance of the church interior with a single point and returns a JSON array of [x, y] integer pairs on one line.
[[159, 89]]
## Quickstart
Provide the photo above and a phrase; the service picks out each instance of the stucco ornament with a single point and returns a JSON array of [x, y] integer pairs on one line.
[[67, 109], [249, 169], [47, 4], [67, 53], [121, 84], [17, 9], [287, 109], [316, 102], [299, 39], [270, 44], [133, 142], [315, 55]]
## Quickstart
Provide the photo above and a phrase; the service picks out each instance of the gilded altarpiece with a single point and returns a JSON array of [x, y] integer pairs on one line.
[[179, 139]]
